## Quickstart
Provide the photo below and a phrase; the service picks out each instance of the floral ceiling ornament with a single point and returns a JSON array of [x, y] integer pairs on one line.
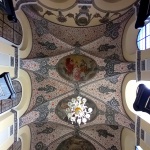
[[77, 111], [83, 17]]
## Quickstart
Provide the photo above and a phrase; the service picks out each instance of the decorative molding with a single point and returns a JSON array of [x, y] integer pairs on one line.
[[47, 88], [113, 148], [137, 131], [106, 90], [48, 130], [15, 125], [112, 30], [105, 47], [12, 62], [48, 45], [138, 65], [104, 133], [11, 130], [16, 62], [142, 134]]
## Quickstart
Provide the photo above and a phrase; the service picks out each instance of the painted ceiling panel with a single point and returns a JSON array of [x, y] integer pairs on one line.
[[67, 34], [109, 93], [96, 144], [67, 61], [45, 111], [71, 13], [46, 89], [106, 114], [55, 144], [44, 43], [44, 135], [111, 41], [108, 136]]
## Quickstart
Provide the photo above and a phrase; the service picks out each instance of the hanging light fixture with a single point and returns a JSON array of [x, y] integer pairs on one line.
[[77, 112]]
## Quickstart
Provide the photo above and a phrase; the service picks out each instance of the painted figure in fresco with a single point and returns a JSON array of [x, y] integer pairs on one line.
[[83, 69], [76, 72], [75, 143], [69, 66], [77, 68]]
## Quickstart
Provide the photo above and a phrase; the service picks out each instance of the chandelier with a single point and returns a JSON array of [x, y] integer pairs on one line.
[[77, 112]]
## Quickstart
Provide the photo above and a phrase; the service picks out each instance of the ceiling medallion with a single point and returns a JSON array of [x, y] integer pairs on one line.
[[77, 68], [62, 106], [77, 111]]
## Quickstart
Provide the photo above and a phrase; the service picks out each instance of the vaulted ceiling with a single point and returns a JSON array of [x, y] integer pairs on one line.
[[91, 36]]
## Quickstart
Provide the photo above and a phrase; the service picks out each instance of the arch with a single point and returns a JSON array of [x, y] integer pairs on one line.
[[129, 46], [63, 4], [114, 5], [143, 37], [25, 81], [127, 139], [7, 104], [25, 136], [10, 32], [129, 94], [75, 142], [129, 42], [26, 44]]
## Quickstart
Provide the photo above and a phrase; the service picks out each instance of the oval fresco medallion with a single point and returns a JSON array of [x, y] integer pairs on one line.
[[60, 109], [76, 143], [77, 68]]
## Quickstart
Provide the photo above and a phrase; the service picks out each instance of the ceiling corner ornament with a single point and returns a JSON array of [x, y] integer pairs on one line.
[[77, 111], [77, 68]]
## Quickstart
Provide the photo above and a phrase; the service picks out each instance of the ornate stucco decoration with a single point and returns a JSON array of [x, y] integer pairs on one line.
[[77, 15]]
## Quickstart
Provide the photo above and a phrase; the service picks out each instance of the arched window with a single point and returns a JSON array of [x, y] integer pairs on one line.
[[7, 104], [130, 95], [10, 31], [143, 39]]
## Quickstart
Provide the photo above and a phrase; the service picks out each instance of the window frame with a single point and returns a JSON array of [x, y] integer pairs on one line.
[[144, 38]]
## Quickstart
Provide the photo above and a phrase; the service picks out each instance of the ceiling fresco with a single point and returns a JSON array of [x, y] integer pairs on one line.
[[76, 142], [68, 60], [77, 68], [99, 137], [70, 13]]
